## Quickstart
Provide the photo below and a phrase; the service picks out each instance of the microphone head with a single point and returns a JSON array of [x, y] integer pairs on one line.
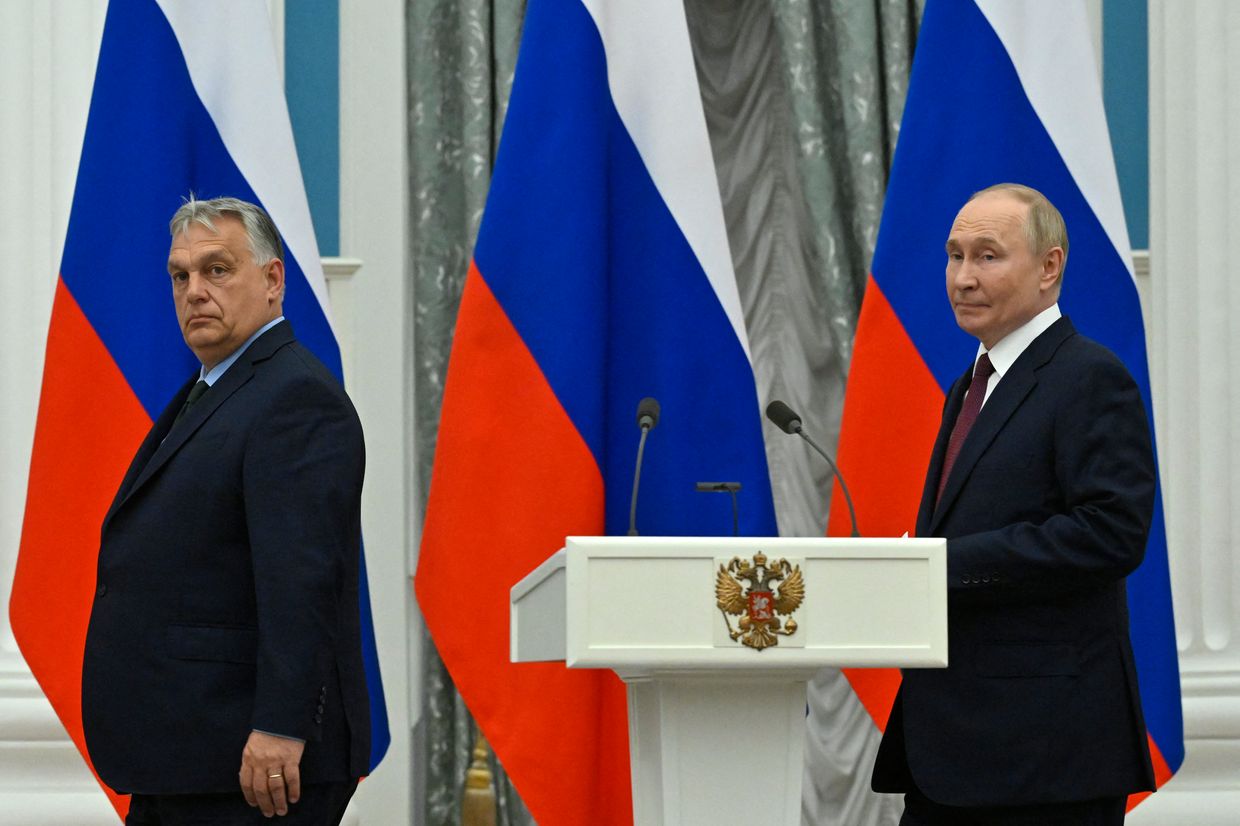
[[783, 417], [648, 413]]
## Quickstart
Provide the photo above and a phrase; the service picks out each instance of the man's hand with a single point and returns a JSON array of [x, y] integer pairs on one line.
[[270, 773]]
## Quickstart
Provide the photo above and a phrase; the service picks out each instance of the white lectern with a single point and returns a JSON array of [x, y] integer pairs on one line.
[[716, 638]]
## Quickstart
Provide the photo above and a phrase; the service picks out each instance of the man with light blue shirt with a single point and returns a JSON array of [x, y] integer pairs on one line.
[[223, 679], [1042, 482]]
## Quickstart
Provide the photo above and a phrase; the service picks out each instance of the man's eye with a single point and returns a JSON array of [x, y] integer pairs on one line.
[[218, 269], [180, 277]]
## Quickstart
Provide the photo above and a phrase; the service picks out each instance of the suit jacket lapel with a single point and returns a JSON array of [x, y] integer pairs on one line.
[[149, 445], [1007, 397], [162, 443], [228, 384]]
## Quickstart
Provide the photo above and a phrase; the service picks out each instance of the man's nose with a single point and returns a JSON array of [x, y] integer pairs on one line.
[[964, 277], [196, 287]]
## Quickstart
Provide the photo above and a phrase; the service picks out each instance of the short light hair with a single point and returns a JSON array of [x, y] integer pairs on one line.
[[1044, 226], [265, 244]]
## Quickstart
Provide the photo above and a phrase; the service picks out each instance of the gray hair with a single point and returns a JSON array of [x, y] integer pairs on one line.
[[265, 244], [1044, 227]]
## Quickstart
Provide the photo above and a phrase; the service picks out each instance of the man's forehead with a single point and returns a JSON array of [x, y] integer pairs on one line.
[[199, 239], [989, 215], [201, 253], [212, 245]]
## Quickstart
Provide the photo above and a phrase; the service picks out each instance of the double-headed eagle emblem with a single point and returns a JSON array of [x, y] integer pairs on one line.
[[760, 604]]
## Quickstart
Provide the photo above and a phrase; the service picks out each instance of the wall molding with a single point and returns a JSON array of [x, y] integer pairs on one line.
[[337, 269]]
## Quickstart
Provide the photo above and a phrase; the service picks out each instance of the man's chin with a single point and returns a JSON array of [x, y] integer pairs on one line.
[[202, 343], [967, 321], [195, 339]]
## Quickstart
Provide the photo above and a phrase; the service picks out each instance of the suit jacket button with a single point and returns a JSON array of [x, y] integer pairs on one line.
[[986, 580], [320, 708], [318, 718], [101, 590]]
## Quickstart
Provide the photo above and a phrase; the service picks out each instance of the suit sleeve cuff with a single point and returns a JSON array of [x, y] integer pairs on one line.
[[283, 736]]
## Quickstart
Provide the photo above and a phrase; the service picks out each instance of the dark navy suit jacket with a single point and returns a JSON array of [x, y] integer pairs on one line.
[[1046, 511], [227, 594]]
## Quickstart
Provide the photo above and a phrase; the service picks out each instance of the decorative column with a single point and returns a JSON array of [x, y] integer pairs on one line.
[[375, 313], [1194, 315]]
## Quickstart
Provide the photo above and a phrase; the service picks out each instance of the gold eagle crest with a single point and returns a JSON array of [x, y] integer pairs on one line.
[[760, 604]]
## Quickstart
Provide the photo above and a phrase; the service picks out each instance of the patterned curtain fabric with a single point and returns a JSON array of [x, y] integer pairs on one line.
[[461, 56], [803, 101]]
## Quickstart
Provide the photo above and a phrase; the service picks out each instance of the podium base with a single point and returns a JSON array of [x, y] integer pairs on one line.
[[714, 749]]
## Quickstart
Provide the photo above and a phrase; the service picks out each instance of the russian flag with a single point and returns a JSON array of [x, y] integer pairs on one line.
[[601, 275], [1001, 91], [187, 98]]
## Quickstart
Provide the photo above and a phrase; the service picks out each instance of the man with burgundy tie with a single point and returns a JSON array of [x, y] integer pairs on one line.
[[1042, 481]]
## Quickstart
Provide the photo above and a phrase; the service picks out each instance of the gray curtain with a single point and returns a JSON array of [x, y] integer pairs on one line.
[[461, 56], [803, 101]]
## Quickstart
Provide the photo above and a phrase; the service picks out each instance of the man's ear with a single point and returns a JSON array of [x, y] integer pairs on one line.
[[1052, 268], [275, 281]]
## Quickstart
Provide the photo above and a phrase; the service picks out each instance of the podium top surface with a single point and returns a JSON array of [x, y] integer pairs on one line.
[[649, 605]]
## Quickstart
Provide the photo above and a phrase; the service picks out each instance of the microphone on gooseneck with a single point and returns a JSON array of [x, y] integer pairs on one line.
[[788, 421], [647, 418]]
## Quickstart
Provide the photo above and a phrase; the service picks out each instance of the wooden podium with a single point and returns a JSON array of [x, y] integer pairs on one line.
[[716, 725]]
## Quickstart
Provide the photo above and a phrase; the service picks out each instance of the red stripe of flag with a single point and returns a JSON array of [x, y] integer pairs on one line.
[[886, 465], [89, 425], [512, 478]]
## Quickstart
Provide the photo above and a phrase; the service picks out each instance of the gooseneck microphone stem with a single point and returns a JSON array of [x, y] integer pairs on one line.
[[647, 418], [736, 515], [852, 513], [725, 487], [788, 421], [637, 478]]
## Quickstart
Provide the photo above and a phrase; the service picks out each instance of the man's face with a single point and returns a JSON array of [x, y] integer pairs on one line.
[[222, 296], [995, 282]]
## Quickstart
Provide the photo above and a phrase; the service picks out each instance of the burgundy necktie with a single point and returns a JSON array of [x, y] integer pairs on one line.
[[968, 415]]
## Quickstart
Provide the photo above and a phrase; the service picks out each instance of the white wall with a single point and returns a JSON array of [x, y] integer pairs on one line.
[[373, 186], [1194, 241]]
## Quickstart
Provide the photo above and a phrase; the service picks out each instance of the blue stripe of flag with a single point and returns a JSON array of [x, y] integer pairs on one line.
[[149, 143], [596, 276]]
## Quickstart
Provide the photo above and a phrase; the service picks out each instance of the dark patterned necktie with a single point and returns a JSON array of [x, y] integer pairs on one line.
[[195, 393], [968, 415]]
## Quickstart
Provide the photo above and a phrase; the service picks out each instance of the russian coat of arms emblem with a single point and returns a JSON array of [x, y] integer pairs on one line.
[[764, 606]]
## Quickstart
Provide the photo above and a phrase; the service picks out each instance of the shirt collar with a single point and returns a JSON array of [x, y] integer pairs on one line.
[[1005, 352], [213, 375]]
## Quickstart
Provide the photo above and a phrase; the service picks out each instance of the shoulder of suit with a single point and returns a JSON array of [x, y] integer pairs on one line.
[[1082, 354], [294, 358], [291, 373]]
